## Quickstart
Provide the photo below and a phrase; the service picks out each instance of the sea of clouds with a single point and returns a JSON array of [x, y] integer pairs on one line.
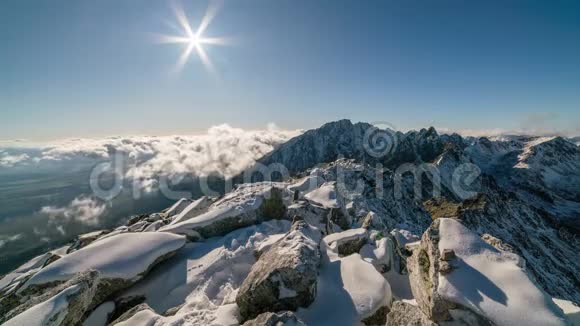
[[223, 150]]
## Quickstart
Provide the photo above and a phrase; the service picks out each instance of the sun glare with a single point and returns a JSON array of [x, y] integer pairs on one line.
[[194, 40]]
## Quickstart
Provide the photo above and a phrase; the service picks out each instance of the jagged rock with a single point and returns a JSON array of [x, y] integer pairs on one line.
[[373, 221], [285, 277], [405, 314], [65, 304], [178, 207], [84, 240], [192, 210], [447, 254], [286, 318], [136, 218], [347, 242], [497, 243], [248, 205]]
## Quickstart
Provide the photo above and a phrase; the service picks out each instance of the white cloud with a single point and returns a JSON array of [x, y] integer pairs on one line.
[[223, 150], [82, 209], [4, 240], [8, 160]]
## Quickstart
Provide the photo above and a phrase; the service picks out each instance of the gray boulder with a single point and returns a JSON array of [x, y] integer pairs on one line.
[[286, 318], [405, 314], [284, 277]]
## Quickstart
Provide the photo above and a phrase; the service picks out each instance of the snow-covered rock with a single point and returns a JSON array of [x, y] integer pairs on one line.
[[120, 260], [571, 310], [325, 196], [284, 277], [178, 207], [247, 205], [17, 277], [139, 315], [350, 290], [490, 282], [84, 240], [479, 283], [199, 284], [65, 305], [347, 242], [192, 209]]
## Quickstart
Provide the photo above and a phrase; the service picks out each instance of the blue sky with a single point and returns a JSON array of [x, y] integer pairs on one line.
[[78, 68]]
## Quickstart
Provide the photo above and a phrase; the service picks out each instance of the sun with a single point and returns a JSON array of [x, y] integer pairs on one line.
[[194, 40]]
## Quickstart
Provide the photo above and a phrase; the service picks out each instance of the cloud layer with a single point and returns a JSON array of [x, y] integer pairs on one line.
[[223, 150], [82, 209], [9, 160], [4, 240]]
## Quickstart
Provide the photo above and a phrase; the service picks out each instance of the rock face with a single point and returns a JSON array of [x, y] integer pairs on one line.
[[286, 318], [285, 277], [423, 268], [405, 314]]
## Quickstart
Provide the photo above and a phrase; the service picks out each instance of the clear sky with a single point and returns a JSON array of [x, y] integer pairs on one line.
[[76, 68]]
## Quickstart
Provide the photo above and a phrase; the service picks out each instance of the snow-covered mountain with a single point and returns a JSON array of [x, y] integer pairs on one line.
[[372, 226]]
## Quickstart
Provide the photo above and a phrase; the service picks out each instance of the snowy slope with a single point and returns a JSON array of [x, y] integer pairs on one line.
[[491, 283]]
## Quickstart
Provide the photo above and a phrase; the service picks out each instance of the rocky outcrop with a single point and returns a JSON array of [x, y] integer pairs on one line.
[[424, 268], [286, 318], [247, 205], [405, 314], [284, 277]]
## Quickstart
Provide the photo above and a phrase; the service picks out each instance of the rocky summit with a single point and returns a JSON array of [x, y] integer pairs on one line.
[[361, 226]]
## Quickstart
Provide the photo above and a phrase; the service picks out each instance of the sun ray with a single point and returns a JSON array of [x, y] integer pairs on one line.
[[184, 57], [164, 39], [182, 18], [210, 13], [204, 58], [215, 40]]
